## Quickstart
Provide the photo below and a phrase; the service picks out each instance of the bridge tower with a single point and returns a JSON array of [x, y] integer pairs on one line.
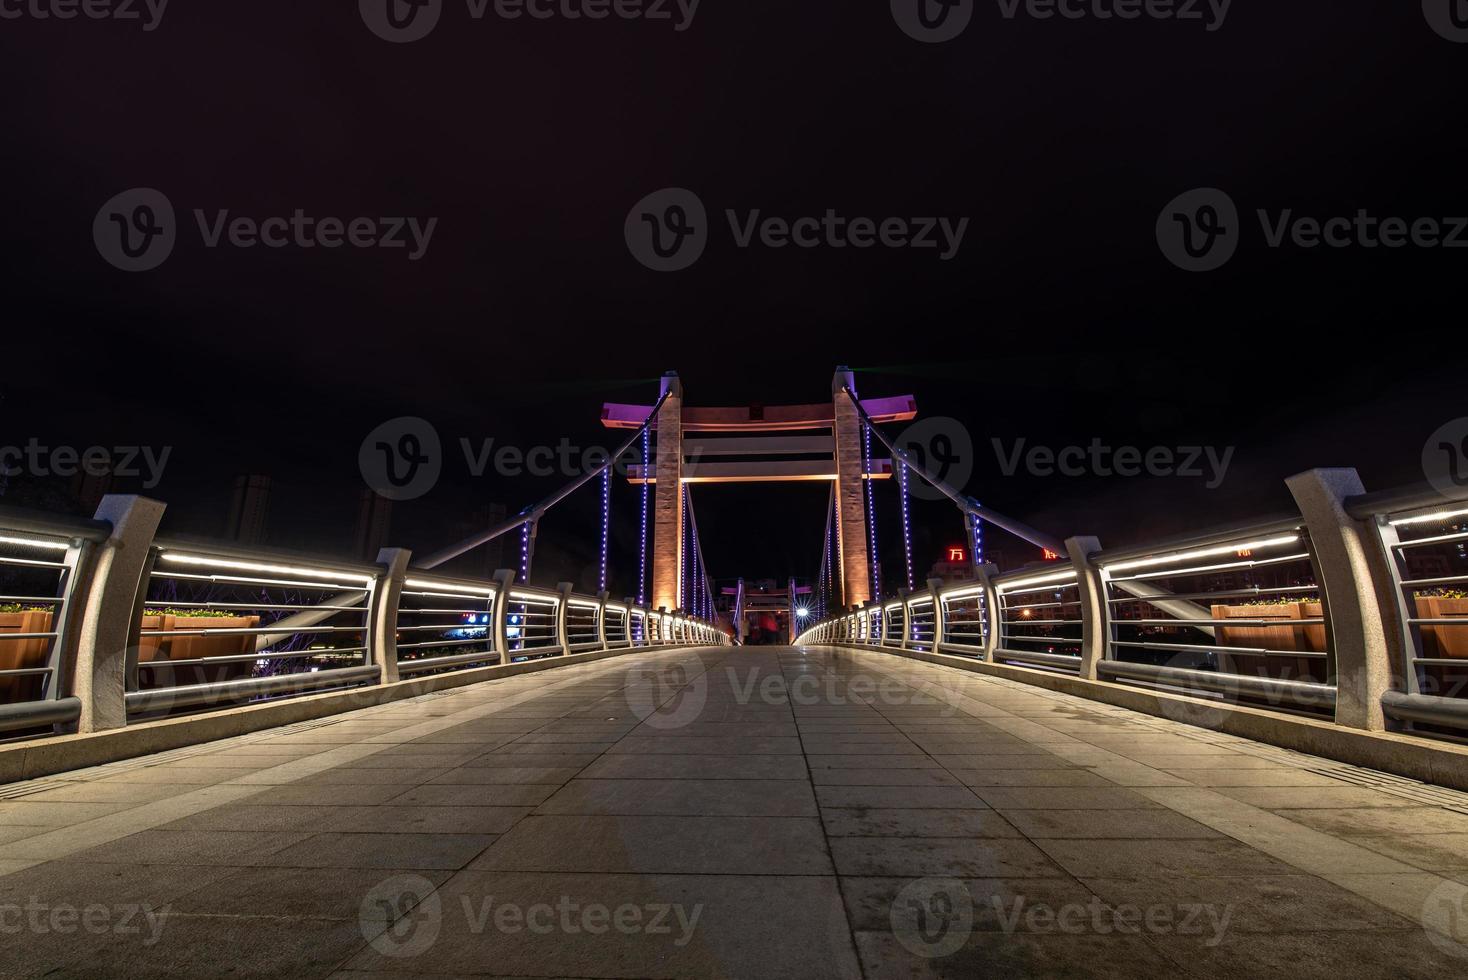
[[761, 444]]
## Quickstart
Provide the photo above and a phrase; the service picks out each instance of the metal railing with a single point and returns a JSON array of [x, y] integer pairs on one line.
[[42, 559], [1238, 615], [216, 626], [1424, 540]]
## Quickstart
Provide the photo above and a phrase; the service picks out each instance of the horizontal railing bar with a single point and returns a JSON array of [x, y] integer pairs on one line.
[[1416, 583], [1205, 648], [1400, 500], [27, 671], [204, 550], [1440, 661], [155, 608], [1297, 692], [1201, 569], [1244, 623], [239, 658], [251, 580], [1435, 539], [182, 697], [26, 636], [252, 630], [36, 599], [1224, 594], [1194, 541], [34, 714], [430, 644], [32, 563], [418, 666], [1449, 712]]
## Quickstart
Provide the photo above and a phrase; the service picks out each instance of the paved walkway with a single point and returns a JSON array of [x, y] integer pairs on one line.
[[761, 812]]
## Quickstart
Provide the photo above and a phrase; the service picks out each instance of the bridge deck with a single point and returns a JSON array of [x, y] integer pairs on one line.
[[780, 813]]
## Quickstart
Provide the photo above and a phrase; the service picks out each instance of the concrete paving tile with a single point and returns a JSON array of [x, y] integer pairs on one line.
[[883, 777], [377, 777], [80, 885], [1036, 760], [294, 893], [1062, 798], [209, 848], [714, 745], [1028, 777], [913, 761], [1312, 797], [1058, 956], [27, 812], [513, 794], [1254, 777], [387, 818], [432, 851], [887, 904], [683, 797], [805, 912], [1278, 903], [1431, 852], [915, 823], [1097, 858], [531, 760], [503, 775], [1314, 955], [1153, 824], [102, 792], [300, 819], [906, 797], [696, 767], [8, 834], [324, 794], [662, 845], [920, 857]]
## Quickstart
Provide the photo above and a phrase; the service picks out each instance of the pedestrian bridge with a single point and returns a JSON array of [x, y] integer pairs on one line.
[[1235, 751]]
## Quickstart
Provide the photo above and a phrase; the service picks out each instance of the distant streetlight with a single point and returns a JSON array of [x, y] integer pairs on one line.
[[802, 613]]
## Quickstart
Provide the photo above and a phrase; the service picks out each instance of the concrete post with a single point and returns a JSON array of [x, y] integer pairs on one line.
[[1092, 597], [934, 586], [562, 608], [905, 596], [851, 507], [504, 580], [382, 615], [667, 539], [601, 618], [1355, 585], [992, 619], [111, 610]]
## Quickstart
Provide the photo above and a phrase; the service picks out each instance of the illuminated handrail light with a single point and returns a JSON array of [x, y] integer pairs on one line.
[[263, 568], [1433, 518], [448, 588], [1221, 550], [1037, 580], [34, 543]]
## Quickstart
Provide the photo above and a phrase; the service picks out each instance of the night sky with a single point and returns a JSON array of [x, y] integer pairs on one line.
[[1058, 321]]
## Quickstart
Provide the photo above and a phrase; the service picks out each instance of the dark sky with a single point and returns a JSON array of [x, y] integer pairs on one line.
[[1058, 321]]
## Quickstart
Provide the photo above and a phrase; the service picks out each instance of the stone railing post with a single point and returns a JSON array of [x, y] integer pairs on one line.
[[382, 616], [504, 580], [1092, 598]]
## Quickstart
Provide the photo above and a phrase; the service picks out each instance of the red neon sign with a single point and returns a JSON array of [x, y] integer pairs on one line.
[[1050, 555], [957, 554]]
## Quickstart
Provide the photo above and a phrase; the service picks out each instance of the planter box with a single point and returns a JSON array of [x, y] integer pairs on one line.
[[1308, 638], [153, 649], [23, 654], [1444, 641]]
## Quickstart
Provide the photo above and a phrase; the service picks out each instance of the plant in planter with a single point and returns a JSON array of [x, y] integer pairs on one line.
[[152, 649], [23, 654], [1444, 641]]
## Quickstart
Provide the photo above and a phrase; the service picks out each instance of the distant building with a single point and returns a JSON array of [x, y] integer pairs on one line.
[[956, 567], [248, 509]]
